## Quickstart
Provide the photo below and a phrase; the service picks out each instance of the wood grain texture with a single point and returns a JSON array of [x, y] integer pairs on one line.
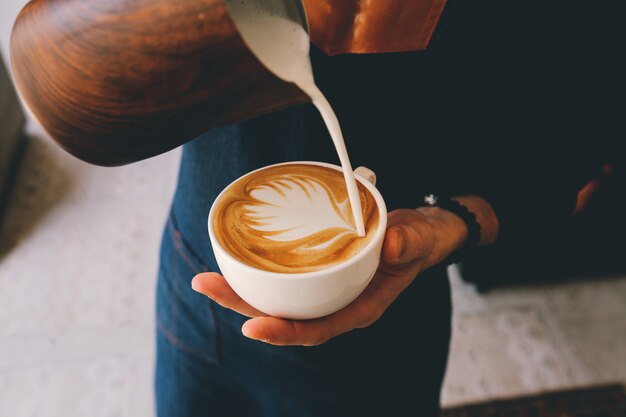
[[116, 81], [365, 26]]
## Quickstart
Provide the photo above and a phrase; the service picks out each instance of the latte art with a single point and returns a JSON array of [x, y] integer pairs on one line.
[[294, 207], [292, 218]]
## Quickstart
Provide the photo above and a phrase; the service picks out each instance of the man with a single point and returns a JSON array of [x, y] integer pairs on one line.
[[459, 118]]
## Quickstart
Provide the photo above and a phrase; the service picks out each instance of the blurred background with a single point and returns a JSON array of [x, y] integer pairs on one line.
[[78, 261]]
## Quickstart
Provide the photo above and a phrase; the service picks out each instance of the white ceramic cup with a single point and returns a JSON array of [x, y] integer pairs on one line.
[[305, 295]]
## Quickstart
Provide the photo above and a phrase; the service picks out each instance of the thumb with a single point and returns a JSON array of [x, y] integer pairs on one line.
[[403, 243]]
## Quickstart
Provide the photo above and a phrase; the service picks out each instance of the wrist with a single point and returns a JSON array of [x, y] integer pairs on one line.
[[485, 216], [449, 230]]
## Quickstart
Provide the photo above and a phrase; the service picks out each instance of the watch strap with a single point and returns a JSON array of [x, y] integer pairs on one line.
[[473, 227]]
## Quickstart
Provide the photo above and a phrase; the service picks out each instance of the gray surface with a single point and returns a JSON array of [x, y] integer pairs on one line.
[[78, 260], [533, 338]]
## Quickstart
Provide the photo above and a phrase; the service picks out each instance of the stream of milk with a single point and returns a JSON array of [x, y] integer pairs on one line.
[[274, 31]]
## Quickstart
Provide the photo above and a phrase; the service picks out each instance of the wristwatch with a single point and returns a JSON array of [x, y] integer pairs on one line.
[[469, 218]]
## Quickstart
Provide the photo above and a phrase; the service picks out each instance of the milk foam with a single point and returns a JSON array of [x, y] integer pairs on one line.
[[294, 207], [273, 31]]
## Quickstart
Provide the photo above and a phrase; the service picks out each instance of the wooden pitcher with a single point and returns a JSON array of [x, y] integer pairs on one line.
[[116, 81]]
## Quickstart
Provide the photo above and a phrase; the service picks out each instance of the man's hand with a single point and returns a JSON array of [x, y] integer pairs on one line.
[[415, 241]]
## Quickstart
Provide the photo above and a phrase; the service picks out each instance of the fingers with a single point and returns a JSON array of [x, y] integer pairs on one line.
[[215, 287], [273, 330], [409, 237], [283, 332], [362, 312]]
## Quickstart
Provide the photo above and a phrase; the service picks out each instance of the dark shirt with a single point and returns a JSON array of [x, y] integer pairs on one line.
[[485, 110]]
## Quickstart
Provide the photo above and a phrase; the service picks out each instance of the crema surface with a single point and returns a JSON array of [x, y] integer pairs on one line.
[[292, 218]]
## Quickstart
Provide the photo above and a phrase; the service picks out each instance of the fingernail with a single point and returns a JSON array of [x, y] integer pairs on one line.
[[244, 331], [254, 338]]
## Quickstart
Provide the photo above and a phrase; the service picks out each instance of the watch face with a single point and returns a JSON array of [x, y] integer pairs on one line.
[[430, 199]]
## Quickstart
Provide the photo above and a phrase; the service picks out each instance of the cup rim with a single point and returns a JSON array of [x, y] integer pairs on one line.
[[380, 233]]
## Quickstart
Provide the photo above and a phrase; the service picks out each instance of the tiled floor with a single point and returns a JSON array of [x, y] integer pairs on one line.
[[78, 253], [527, 339]]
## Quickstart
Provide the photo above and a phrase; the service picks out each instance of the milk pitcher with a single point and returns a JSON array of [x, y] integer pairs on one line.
[[116, 81]]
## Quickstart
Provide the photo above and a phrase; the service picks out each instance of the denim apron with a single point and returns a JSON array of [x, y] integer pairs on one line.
[[205, 366]]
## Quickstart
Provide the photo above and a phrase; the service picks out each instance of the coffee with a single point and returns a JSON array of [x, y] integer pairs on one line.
[[292, 218]]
